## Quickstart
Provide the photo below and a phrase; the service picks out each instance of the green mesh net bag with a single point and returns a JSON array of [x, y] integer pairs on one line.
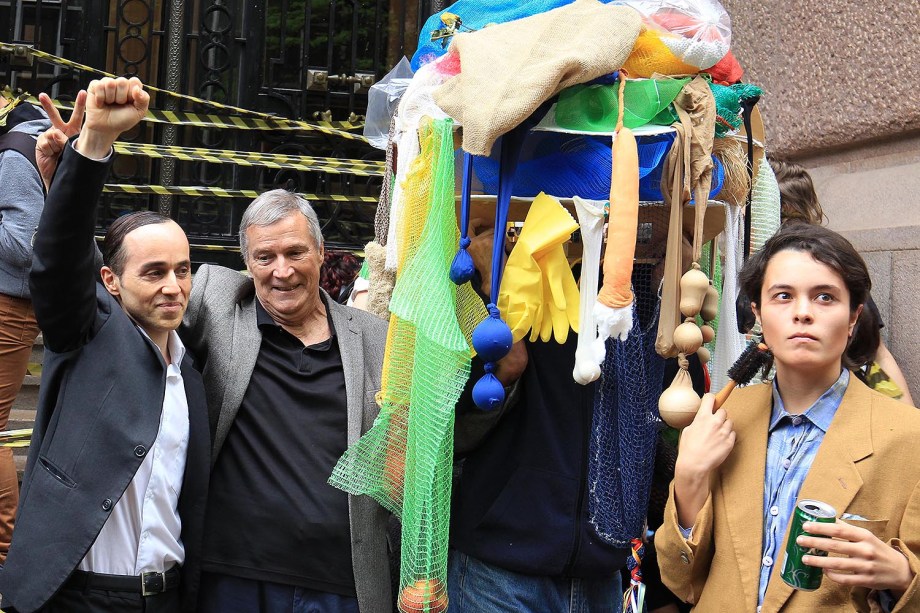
[[405, 460], [728, 104], [595, 108]]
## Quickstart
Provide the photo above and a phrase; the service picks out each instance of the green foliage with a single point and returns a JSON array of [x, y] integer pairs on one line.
[[285, 23]]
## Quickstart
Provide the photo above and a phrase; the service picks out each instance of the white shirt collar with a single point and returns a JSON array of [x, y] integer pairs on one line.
[[173, 343]]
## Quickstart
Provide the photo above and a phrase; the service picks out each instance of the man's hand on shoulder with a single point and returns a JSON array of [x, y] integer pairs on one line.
[[113, 106]]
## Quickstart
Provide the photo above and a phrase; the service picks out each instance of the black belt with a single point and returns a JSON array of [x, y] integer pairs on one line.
[[145, 584]]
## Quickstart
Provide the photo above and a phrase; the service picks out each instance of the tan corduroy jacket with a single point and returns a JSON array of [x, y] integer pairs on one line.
[[867, 466]]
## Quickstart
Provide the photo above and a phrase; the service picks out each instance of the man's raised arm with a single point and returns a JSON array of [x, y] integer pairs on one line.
[[63, 262]]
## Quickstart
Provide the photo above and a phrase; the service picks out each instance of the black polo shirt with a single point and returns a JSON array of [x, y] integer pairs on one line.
[[271, 515]]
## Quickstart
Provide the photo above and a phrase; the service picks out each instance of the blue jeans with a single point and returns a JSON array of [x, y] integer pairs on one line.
[[226, 594], [474, 586]]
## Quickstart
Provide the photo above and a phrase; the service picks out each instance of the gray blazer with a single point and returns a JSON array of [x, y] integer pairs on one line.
[[220, 329]]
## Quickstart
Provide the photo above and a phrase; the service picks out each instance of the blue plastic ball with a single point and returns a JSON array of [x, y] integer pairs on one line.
[[492, 339], [462, 268], [488, 393]]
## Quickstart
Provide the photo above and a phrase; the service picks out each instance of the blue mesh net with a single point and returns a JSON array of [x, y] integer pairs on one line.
[[624, 434]]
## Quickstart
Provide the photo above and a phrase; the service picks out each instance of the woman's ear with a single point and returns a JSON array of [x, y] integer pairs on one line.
[[756, 312]]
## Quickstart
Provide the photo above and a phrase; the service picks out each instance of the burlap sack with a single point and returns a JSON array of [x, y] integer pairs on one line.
[[509, 69], [381, 280]]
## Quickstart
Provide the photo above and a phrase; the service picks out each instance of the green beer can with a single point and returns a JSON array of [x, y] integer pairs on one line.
[[795, 572]]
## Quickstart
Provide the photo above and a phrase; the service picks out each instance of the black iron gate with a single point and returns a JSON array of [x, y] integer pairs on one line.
[[298, 59]]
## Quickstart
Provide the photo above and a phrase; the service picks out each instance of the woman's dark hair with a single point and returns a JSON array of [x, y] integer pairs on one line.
[[797, 198], [834, 251], [113, 253], [866, 339], [338, 271]]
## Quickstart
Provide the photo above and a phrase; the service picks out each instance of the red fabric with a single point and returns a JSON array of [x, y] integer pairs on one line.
[[449, 64], [727, 71]]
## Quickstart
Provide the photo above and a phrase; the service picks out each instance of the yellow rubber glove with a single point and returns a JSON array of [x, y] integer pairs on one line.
[[561, 298], [521, 298]]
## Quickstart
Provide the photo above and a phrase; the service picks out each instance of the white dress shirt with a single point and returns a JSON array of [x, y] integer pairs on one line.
[[142, 532]]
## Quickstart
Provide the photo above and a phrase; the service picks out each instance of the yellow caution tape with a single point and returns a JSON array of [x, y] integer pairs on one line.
[[206, 120], [271, 121], [245, 158], [12, 102], [219, 192], [16, 438], [202, 120]]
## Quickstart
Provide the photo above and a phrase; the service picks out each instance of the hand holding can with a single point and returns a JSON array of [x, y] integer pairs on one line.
[[795, 572], [853, 556]]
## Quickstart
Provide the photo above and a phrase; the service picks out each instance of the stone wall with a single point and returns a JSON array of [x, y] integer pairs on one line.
[[840, 97], [871, 194], [835, 72]]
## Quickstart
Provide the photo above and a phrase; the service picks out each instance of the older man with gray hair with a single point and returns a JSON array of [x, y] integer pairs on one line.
[[291, 377]]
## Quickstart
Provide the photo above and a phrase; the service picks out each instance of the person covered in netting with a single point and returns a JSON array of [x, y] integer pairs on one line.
[[288, 390], [535, 474], [816, 433], [799, 203]]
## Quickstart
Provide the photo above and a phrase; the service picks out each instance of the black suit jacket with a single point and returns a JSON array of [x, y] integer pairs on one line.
[[99, 408]]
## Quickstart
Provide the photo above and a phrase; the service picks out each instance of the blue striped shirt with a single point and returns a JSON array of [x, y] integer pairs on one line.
[[791, 448]]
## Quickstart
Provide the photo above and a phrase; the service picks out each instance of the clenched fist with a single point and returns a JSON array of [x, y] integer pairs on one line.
[[113, 106]]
